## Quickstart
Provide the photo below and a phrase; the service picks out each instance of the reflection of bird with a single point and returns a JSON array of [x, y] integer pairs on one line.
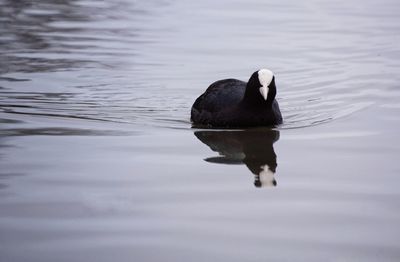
[[254, 148], [234, 103]]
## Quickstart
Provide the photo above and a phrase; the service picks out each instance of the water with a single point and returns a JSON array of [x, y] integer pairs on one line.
[[98, 160]]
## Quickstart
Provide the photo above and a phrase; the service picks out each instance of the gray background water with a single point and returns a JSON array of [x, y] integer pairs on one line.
[[98, 160]]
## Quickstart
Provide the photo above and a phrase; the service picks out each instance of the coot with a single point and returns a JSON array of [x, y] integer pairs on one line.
[[231, 103]]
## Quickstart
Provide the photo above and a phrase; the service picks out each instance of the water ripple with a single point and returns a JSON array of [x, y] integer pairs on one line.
[[136, 63]]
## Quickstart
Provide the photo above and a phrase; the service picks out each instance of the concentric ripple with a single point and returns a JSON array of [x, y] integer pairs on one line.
[[138, 63]]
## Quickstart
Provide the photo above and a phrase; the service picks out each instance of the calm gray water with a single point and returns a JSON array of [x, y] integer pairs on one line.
[[98, 160]]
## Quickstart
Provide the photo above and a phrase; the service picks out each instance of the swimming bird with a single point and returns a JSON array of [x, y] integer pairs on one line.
[[232, 103]]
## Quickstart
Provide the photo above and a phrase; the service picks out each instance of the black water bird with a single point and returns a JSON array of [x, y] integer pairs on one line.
[[232, 103]]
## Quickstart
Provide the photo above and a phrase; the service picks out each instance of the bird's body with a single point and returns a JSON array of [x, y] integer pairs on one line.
[[232, 103]]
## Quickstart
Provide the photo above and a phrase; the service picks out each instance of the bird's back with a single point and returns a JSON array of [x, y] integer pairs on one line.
[[219, 96]]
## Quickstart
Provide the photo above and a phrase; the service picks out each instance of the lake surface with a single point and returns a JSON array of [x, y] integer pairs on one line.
[[98, 160]]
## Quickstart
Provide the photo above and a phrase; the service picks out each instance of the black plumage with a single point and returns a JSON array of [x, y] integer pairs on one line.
[[231, 103]]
